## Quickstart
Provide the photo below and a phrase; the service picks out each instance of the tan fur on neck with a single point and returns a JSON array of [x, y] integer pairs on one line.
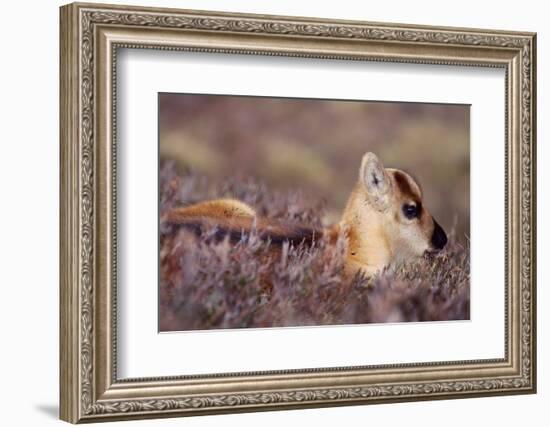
[[368, 247]]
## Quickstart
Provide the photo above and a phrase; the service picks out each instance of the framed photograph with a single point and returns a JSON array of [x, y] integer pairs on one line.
[[265, 212]]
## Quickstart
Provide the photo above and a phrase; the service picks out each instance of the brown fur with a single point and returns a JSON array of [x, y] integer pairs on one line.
[[219, 208], [226, 217], [405, 187]]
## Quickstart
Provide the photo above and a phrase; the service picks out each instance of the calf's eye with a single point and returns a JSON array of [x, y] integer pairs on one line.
[[410, 211]]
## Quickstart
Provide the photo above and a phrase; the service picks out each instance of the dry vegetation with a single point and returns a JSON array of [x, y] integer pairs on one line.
[[209, 284]]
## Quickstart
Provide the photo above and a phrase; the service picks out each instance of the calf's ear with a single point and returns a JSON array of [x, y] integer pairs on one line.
[[376, 181]]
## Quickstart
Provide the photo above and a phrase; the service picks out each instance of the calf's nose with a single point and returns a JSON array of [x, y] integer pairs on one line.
[[439, 238]]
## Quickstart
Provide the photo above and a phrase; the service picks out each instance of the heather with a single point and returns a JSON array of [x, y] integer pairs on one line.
[[208, 283]]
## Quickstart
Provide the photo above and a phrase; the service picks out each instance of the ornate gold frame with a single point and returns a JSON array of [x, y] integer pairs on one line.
[[90, 36]]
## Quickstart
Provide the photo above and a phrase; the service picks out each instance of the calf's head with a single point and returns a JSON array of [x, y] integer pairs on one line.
[[409, 228]]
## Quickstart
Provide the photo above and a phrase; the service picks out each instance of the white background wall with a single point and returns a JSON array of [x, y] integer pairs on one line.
[[29, 170]]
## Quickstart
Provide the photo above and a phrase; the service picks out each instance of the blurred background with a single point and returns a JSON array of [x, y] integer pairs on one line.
[[315, 146]]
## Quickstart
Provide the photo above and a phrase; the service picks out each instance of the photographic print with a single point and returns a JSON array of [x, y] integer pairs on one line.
[[282, 212]]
